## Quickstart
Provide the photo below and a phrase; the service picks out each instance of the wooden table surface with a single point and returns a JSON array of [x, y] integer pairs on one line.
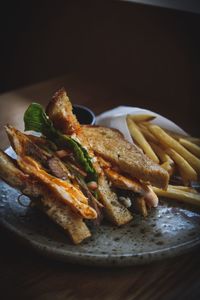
[[26, 275]]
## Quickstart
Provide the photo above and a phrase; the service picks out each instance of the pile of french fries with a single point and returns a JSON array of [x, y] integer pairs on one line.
[[177, 154]]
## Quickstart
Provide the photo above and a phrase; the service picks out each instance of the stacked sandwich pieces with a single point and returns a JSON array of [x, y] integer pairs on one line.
[[77, 174]]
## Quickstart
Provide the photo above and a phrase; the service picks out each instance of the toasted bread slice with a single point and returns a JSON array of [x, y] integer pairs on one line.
[[10, 173], [60, 112], [58, 212], [63, 216], [116, 212], [111, 145]]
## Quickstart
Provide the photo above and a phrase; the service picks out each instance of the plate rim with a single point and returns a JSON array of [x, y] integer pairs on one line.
[[99, 259]]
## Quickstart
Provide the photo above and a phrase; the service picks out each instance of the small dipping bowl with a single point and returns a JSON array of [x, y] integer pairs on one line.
[[84, 114]]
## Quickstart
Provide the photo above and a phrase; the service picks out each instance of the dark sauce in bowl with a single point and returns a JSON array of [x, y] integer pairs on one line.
[[84, 114]]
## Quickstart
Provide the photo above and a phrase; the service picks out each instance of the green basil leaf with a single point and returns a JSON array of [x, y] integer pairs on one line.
[[36, 119]]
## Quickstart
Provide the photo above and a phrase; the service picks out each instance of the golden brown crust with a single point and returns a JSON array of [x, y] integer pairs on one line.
[[59, 111], [116, 212], [10, 173], [111, 145], [60, 213]]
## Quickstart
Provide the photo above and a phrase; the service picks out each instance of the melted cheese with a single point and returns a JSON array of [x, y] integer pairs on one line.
[[65, 191]]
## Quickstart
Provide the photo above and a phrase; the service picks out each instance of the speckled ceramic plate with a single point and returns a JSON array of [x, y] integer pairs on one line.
[[169, 230]]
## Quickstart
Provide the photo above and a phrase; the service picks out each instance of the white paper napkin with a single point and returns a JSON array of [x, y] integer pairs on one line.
[[116, 118]]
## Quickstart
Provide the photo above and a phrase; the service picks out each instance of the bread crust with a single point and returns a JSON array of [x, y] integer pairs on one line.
[[60, 108], [111, 145]]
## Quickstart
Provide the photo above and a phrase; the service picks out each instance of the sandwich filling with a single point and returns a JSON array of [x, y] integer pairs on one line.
[[76, 173]]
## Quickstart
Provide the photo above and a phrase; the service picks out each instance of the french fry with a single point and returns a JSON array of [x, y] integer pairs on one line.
[[167, 162], [193, 148], [193, 140], [163, 156], [170, 142], [179, 194], [187, 172], [142, 118], [141, 206], [175, 135], [140, 139], [178, 136], [184, 188], [148, 135]]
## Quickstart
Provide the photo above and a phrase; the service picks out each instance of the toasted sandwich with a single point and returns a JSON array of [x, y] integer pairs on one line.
[[57, 211], [60, 113], [78, 174], [111, 145]]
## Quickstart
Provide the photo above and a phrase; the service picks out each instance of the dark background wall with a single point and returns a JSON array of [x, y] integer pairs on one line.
[[152, 54]]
